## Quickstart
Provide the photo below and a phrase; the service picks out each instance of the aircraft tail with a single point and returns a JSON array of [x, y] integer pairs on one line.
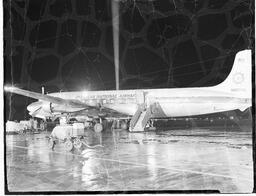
[[239, 80]]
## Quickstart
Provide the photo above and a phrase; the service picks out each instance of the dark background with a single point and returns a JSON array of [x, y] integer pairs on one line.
[[67, 44]]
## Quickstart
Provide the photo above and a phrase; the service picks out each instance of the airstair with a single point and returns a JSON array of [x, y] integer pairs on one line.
[[140, 119]]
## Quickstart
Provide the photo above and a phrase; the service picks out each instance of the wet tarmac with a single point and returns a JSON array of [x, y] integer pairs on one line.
[[192, 159]]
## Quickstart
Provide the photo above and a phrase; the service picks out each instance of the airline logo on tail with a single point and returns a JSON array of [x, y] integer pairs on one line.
[[239, 79]]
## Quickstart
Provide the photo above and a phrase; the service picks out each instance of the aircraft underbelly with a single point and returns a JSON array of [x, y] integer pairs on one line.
[[190, 109], [128, 109]]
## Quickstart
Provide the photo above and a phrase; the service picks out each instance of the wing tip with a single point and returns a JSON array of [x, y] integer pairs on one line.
[[8, 88]]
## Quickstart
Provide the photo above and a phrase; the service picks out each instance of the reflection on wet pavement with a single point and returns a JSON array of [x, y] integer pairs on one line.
[[194, 159]]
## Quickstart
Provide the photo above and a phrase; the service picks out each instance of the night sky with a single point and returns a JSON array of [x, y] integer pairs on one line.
[[68, 44]]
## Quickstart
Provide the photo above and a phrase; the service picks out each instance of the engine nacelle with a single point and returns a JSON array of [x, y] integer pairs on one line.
[[47, 107], [51, 107]]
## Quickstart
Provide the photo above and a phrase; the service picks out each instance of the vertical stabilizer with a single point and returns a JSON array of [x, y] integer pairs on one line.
[[239, 81]]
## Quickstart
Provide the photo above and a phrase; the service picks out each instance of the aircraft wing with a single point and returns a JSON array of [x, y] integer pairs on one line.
[[85, 109], [101, 112], [48, 98]]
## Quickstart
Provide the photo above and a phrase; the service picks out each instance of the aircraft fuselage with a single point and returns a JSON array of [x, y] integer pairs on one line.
[[163, 102]]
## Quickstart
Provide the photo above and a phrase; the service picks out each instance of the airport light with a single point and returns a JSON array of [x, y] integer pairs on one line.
[[8, 88], [85, 93]]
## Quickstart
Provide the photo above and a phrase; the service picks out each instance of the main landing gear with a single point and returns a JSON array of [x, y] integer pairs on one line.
[[100, 125]]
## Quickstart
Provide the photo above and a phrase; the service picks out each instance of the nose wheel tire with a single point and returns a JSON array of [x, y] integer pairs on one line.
[[69, 145], [98, 127], [77, 143]]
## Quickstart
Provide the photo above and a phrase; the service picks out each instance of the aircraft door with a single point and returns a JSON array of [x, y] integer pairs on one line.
[[140, 97]]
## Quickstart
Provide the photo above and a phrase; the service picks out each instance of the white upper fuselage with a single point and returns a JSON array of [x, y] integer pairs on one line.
[[171, 102]]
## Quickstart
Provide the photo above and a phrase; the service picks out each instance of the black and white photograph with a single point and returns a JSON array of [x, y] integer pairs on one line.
[[128, 96]]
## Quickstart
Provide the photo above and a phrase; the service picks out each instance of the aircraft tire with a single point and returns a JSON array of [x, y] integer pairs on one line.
[[98, 127], [77, 143], [69, 145]]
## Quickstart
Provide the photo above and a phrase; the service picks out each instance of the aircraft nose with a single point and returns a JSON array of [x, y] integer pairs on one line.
[[34, 106]]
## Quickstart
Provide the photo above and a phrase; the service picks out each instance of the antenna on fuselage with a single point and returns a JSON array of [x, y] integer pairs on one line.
[[42, 90]]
